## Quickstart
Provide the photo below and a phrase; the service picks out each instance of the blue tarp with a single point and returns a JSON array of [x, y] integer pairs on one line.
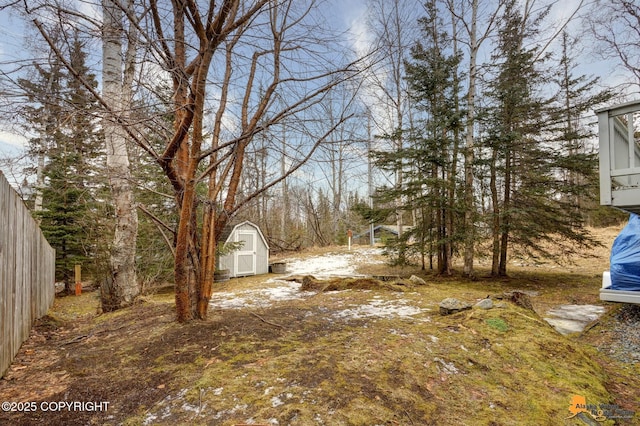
[[625, 257]]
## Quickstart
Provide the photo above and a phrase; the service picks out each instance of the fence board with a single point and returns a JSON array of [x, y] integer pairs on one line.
[[27, 273], [4, 276]]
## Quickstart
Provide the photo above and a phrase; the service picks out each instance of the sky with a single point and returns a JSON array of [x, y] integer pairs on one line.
[[348, 15]]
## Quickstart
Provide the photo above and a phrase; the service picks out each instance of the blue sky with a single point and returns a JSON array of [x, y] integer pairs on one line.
[[345, 14]]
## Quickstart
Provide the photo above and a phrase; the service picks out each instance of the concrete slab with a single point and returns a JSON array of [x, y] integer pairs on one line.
[[567, 319]]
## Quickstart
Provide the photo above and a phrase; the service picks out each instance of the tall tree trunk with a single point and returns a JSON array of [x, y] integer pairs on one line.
[[47, 143], [495, 202], [453, 168], [398, 78], [506, 207], [469, 205], [284, 201], [122, 286]]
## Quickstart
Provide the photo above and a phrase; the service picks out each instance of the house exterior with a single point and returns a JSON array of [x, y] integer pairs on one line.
[[252, 258], [381, 233], [619, 150], [619, 130]]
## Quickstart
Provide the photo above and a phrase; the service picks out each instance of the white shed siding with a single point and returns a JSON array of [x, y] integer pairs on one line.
[[253, 257]]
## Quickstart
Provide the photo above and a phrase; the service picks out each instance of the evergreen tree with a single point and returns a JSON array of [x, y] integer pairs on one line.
[[86, 144], [430, 177], [66, 144], [577, 97], [63, 212], [515, 118], [529, 173]]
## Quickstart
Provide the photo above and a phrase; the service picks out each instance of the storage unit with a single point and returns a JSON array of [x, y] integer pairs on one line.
[[252, 258]]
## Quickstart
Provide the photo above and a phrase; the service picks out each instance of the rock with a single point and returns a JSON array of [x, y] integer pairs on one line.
[[417, 280], [484, 304], [310, 283], [451, 306], [519, 298], [567, 319]]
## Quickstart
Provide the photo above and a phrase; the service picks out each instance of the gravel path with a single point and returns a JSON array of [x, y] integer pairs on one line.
[[626, 335]]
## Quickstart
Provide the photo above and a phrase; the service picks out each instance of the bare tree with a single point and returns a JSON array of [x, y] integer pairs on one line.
[[249, 65], [616, 25], [256, 44], [393, 24], [340, 161]]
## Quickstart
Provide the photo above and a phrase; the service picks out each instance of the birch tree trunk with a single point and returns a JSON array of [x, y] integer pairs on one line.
[[389, 23], [47, 144], [121, 287], [469, 212], [476, 36]]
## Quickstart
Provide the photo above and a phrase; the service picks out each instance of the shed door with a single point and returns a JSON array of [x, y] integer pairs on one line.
[[246, 256]]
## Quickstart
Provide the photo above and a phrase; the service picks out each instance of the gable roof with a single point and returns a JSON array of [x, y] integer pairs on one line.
[[230, 228]]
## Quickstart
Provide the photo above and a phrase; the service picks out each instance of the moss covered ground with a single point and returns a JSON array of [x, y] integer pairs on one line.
[[347, 356]]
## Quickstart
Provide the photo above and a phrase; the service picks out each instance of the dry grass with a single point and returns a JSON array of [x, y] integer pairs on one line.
[[323, 359]]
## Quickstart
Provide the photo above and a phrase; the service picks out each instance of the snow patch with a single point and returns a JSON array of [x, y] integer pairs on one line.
[[328, 265], [334, 264], [380, 309], [263, 297]]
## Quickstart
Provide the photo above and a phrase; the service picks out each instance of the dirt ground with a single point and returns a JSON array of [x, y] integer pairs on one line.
[[360, 356]]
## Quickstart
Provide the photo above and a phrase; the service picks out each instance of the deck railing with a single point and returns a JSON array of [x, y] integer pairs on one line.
[[619, 135]]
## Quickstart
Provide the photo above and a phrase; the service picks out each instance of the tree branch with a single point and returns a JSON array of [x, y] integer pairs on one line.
[[160, 225]]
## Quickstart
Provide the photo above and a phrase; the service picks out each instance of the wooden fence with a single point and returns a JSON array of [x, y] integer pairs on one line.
[[27, 273]]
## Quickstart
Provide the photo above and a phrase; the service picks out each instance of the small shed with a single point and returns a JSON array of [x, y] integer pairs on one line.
[[252, 258]]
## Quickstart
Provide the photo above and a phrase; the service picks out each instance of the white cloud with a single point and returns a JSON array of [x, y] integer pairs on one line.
[[13, 139], [93, 11], [361, 37]]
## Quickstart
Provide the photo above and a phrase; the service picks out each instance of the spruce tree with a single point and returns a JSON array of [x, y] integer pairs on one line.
[[431, 156], [514, 112], [576, 99], [531, 187], [66, 142]]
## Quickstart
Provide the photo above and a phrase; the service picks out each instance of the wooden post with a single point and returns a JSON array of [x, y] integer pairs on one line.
[[78, 274], [349, 235]]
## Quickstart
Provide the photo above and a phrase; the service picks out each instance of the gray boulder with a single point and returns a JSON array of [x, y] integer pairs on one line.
[[484, 304], [417, 280], [451, 305]]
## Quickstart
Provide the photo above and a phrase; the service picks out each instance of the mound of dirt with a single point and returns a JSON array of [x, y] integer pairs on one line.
[[310, 283]]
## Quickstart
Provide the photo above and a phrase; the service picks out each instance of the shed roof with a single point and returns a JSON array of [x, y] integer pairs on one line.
[[228, 231]]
